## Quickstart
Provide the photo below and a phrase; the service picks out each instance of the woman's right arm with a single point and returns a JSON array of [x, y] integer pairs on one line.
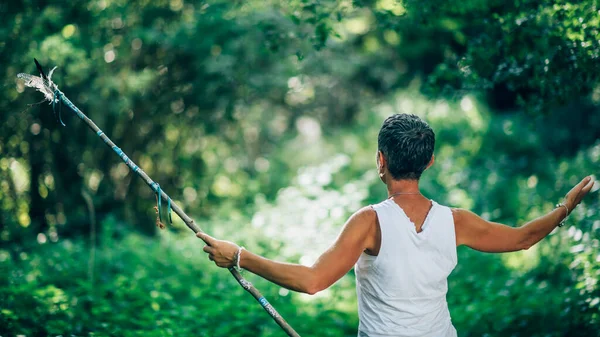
[[358, 235]]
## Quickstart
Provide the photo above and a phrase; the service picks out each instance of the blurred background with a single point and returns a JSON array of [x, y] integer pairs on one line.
[[260, 119]]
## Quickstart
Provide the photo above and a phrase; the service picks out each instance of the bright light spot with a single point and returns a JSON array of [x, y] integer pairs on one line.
[[577, 248], [596, 186], [53, 235], [460, 198], [155, 306], [94, 180], [578, 235], [391, 37], [49, 181], [261, 164], [399, 10], [177, 106], [388, 5], [322, 213], [306, 260], [305, 179], [309, 128], [43, 191], [323, 178], [406, 106], [35, 129], [258, 220], [61, 218], [532, 181], [223, 186], [371, 44], [337, 212], [440, 110], [172, 134], [294, 83], [119, 171], [301, 90], [162, 69], [523, 261], [109, 56], [20, 86], [473, 116], [4, 255], [357, 25], [117, 23], [279, 124], [251, 134], [393, 6], [189, 194], [136, 44], [314, 208], [68, 31], [466, 104], [283, 292], [231, 164], [507, 127], [176, 5], [24, 219], [20, 176], [41, 238]]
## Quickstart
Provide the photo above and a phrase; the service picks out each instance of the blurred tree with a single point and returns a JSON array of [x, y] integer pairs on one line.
[[226, 102], [201, 93]]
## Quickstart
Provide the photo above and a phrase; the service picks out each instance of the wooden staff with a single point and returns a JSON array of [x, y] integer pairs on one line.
[[50, 90]]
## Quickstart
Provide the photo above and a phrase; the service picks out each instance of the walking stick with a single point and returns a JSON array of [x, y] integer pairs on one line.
[[50, 90]]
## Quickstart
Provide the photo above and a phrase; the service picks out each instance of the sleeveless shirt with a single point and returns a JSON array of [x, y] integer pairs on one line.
[[402, 291]]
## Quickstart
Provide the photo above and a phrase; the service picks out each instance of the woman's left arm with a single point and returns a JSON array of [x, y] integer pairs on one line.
[[487, 236], [357, 236]]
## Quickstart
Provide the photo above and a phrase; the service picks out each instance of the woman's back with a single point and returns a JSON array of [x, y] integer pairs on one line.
[[402, 290]]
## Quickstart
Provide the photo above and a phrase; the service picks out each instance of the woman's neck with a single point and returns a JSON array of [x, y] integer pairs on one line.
[[399, 187]]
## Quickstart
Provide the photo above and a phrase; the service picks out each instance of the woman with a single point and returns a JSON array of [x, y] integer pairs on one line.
[[403, 248]]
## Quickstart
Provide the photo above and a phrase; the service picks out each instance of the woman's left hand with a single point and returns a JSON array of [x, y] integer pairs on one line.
[[576, 194], [223, 253]]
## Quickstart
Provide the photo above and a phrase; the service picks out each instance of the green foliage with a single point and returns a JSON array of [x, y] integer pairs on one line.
[[260, 119], [143, 287], [520, 52]]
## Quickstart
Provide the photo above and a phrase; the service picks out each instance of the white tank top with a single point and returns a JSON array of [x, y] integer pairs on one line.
[[402, 290]]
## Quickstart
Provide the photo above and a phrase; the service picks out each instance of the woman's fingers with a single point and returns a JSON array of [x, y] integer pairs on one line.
[[214, 255], [578, 191], [206, 238], [222, 253], [588, 186], [583, 188], [577, 188]]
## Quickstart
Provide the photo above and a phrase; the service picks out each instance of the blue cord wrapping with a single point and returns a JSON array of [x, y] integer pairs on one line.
[[169, 211], [58, 118], [158, 192], [156, 188]]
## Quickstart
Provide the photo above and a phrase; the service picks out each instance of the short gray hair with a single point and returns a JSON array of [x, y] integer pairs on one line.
[[407, 143]]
